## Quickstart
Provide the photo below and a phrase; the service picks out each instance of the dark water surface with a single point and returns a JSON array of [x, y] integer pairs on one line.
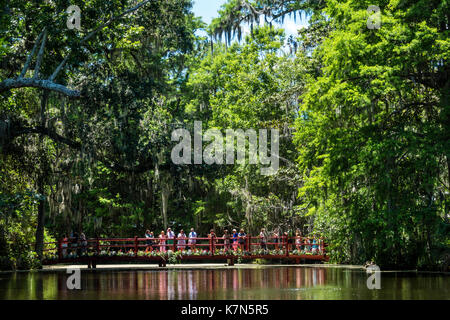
[[270, 283]]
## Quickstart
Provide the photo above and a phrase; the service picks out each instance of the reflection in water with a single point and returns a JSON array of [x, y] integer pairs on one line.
[[232, 284]]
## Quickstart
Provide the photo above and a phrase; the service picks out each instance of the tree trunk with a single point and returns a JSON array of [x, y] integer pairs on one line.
[[165, 192], [447, 207], [39, 245]]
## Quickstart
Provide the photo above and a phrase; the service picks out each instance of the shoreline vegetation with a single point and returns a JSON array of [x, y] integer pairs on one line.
[[361, 112]]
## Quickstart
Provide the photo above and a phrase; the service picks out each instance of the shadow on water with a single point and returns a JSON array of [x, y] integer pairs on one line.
[[262, 283]]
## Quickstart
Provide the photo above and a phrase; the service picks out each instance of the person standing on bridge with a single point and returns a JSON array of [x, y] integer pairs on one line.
[[148, 241], [74, 244], [241, 239], [286, 241], [64, 245], [298, 240], [162, 242], [170, 236], [83, 242], [181, 240], [315, 247], [263, 239], [152, 240], [275, 239], [226, 240], [235, 239], [213, 241], [307, 243], [192, 239]]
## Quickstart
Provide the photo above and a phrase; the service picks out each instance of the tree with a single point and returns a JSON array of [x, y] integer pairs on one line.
[[106, 66], [372, 139]]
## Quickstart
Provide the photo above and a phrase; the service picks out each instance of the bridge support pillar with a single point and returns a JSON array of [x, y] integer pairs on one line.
[[162, 263], [230, 262], [92, 264]]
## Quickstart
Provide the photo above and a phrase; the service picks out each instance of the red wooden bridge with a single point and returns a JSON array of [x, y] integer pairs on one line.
[[154, 250]]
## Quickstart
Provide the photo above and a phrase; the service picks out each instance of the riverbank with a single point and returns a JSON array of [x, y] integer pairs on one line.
[[214, 266], [191, 266]]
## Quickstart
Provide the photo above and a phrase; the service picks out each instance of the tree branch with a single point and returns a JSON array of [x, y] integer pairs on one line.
[[16, 130], [40, 55], [47, 132], [58, 69], [31, 55], [9, 84]]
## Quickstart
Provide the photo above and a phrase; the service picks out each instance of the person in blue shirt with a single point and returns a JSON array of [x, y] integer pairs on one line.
[[315, 247], [235, 239], [241, 239], [192, 239]]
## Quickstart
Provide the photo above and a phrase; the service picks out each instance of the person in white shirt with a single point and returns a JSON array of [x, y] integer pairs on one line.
[[263, 239], [181, 240], [192, 239], [170, 237]]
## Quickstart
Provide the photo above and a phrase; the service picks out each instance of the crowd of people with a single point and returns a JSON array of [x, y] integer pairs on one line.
[[233, 240], [75, 243]]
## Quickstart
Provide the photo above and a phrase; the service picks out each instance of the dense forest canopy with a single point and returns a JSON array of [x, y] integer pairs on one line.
[[363, 114]]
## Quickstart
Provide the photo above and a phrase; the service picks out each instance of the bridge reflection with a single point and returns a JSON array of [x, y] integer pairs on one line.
[[268, 282], [198, 284]]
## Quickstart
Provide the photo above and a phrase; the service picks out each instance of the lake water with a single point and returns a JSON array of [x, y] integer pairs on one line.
[[290, 282]]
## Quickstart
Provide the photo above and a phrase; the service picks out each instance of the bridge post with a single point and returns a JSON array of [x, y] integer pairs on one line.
[[162, 263], [60, 255], [213, 245], [247, 242], [97, 246], [210, 244], [287, 245], [136, 247], [174, 244]]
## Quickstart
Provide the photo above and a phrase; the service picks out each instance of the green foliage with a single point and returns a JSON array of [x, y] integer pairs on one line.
[[371, 144], [363, 116], [17, 231]]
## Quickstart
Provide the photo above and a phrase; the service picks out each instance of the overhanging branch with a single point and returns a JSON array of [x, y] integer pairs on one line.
[[47, 132], [144, 165], [9, 84]]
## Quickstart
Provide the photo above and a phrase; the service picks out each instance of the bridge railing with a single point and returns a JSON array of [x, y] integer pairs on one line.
[[280, 246]]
